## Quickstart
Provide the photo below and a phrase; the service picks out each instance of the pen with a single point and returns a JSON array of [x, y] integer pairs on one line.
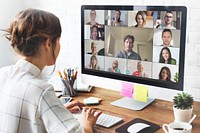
[[69, 74], [59, 73], [65, 74], [76, 74], [72, 73], [65, 84]]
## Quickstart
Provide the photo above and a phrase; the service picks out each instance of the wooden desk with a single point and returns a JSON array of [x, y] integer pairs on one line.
[[158, 112]]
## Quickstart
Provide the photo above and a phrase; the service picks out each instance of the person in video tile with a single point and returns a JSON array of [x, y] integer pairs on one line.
[[93, 63], [93, 19], [166, 57], [128, 53], [114, 67], [93, 49], [165, 74], [140, 71], [140, 19], [168, 21], [167, 37], [94, 33], [116, 20]]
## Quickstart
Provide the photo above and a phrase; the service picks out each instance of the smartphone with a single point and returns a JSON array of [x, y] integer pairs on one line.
[[65, 100]]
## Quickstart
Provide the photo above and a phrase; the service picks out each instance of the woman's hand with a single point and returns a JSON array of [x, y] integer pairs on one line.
[[88, 118], [74, 106]]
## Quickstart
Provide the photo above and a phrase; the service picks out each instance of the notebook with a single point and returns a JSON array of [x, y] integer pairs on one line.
[[153, 127]]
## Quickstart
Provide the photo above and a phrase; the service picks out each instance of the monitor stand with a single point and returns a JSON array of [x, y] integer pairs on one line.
[[130, 103]]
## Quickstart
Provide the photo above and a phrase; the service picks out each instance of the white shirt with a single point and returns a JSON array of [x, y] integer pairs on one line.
[[28, 104]]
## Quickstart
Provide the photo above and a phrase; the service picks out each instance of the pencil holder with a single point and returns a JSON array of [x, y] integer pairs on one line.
[[69, 88]]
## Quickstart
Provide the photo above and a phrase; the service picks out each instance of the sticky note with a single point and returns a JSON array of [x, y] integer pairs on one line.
[[140, 93], [127, 89]]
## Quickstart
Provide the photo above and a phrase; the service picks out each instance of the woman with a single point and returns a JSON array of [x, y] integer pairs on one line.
[[165, 74], [165, 56], [116, 20], [28, 103], [140, 19], [94, 33], [93, 63]]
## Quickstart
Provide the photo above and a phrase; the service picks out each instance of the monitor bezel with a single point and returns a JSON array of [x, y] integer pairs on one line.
[[123, 77]]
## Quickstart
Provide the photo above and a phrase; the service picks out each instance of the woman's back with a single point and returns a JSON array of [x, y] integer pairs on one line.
[[26, 101]]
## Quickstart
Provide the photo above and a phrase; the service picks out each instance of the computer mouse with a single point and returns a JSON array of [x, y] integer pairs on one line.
[[136, 127]]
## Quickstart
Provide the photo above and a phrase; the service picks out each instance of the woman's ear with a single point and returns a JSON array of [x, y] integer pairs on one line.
[[47, 45]]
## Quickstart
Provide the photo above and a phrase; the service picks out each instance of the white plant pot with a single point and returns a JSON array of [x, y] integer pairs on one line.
[[182, 115]]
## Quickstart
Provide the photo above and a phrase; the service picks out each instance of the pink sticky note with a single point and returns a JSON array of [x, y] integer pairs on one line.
[[127, 89]]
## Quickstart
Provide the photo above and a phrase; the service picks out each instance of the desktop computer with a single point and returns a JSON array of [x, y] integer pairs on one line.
[[150, 54]]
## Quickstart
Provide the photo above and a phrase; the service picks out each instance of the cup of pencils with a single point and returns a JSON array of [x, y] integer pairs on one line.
[[69, 81]]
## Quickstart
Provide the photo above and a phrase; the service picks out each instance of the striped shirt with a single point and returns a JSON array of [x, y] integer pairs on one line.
[[29, 104]]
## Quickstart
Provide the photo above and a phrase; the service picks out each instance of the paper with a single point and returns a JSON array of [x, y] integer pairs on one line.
[[127, 89], [81, 86], [140, 93]]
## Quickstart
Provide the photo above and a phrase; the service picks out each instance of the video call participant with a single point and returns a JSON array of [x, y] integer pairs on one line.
[[165, 74], [116, 20], [28, 103], [114, 67], [140, 19], [94, 33], [93, 19], [93, 49], [166, 57], [128, 53], [140, 71], [168, 21], [93, 63], [167, 38]]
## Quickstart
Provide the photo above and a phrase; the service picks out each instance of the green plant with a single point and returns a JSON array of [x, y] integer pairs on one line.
[[183, 101], [176, 76]]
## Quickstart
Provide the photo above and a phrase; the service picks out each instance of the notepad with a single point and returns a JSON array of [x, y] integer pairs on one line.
[[126, 89], [91, 100], [140, 93]]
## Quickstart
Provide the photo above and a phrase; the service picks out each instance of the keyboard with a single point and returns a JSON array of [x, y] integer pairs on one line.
[[104, 120]]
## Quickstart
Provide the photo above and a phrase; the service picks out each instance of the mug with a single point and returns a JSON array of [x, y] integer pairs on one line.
[[177, 127]]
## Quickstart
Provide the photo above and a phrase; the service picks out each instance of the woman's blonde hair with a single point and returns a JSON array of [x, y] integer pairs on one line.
[[143, 18], [94, 66]]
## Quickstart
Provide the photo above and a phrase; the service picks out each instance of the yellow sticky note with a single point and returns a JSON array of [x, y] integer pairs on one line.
[[140, 93]]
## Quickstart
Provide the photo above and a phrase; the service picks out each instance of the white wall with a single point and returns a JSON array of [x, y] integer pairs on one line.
[[70, 56], [7, 11]]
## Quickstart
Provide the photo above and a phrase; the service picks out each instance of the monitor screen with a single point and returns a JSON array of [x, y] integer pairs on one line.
[[141, 44]]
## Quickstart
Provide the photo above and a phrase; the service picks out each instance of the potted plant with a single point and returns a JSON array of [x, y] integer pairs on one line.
[[183, 107]]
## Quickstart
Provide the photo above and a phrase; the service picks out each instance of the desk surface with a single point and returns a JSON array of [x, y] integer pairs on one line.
[[159, 112]]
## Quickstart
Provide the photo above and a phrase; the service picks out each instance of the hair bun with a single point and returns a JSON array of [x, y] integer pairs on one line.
[[18, 41], [22, 41]]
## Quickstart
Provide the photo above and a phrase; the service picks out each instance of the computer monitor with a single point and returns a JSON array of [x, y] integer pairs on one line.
[[140, 44]]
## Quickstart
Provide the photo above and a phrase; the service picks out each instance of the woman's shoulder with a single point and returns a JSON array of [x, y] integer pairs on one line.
[[40, 84]]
